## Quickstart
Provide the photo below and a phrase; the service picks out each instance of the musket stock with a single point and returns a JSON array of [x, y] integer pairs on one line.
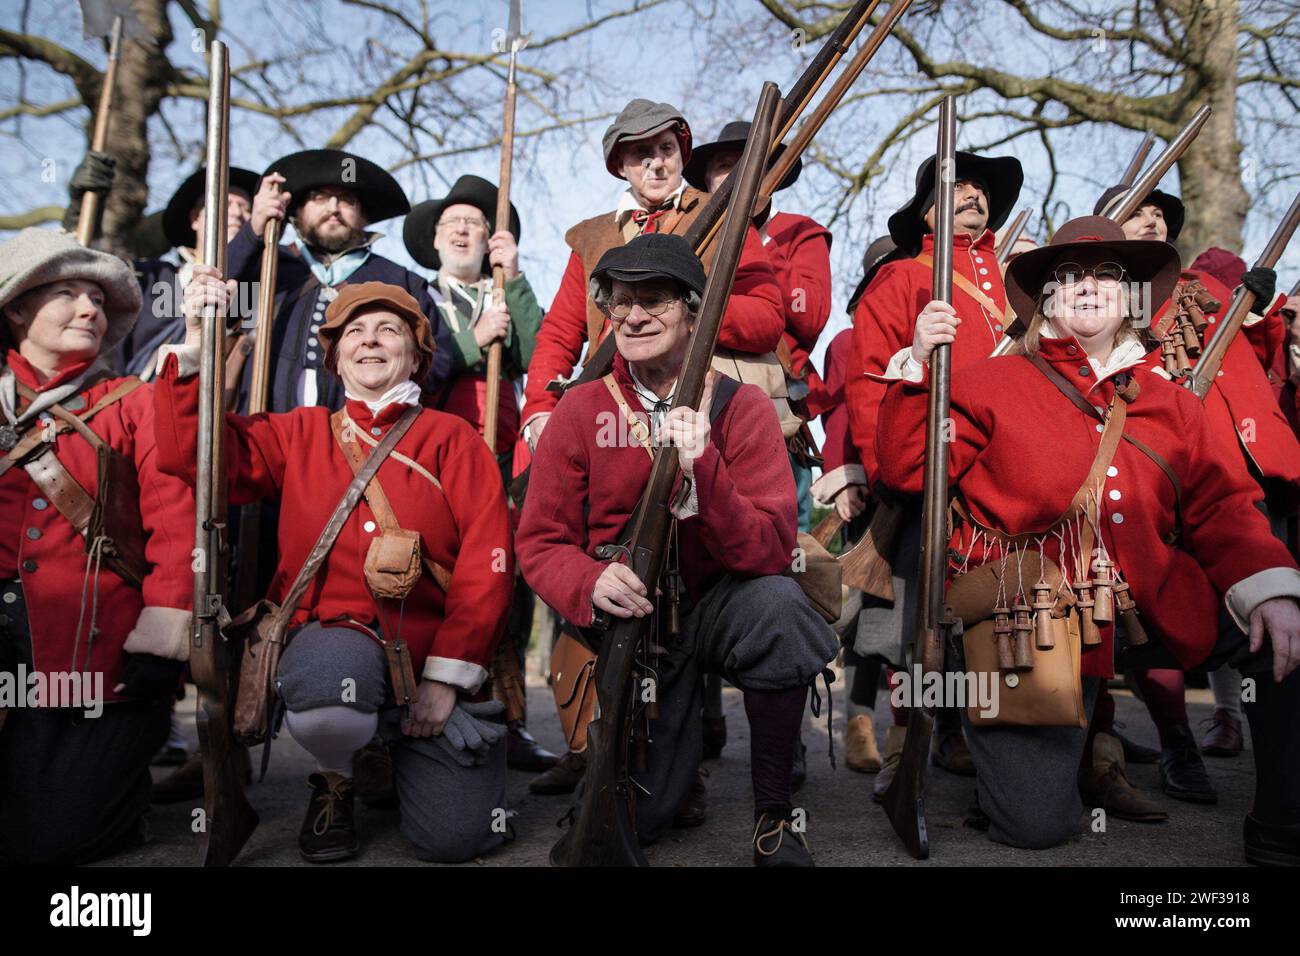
[[868, 565]]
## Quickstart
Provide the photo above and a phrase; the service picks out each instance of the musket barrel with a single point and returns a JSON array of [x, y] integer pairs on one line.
[[1139, 157], [99, 140], [1013, 234], [1127, 203]]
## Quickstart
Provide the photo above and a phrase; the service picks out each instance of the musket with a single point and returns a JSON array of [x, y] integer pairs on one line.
[[1009, 239], [867, 565], [603, 833], [1139, 157], [703, 227], [493, 396], [250, 515], [904, 801], [1207, 367], [228, 818], [99, 140], [1126, 203]]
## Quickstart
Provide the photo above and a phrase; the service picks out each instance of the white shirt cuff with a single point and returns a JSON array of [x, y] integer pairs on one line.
[[688, 506], [469, 677], [903, 367], [1249, 593], [187, 358], [830, 484]]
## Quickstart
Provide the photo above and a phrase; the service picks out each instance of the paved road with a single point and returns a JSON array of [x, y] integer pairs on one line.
[[845, 828]]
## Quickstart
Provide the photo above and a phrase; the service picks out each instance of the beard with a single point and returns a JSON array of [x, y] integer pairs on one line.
[[335, 241]]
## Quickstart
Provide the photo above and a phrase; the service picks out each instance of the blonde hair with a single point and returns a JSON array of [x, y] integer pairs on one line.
[[1029, 342]]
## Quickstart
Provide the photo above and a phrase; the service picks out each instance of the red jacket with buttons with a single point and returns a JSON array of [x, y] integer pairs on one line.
[[839, 453], [1021, 450], [800, 252], [753, 322], [40, 547], [1242, 408], [463, 524], [885, 322], [586, 481]]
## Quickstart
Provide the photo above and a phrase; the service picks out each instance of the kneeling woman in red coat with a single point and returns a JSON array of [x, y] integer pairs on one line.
[[437, 484], [92, 641], [1025, 451]]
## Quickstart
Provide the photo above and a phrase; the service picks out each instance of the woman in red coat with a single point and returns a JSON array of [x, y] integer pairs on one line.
[[82, 633], [1020, 450], [441, 485]]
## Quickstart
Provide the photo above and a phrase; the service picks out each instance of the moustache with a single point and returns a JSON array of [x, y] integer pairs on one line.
[[971, 204]]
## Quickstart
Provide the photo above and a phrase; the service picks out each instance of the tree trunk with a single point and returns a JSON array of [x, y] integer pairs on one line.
[[1210, 171]]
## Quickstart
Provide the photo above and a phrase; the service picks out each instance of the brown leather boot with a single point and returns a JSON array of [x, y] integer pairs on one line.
[[329, 830], [861, 752], [564, 777], [950, 751], [1224, 738], [894, 738], [372, 777], [695, 808], [1106, 785]]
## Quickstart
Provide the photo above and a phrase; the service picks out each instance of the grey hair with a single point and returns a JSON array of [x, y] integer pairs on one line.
[[602, 289]]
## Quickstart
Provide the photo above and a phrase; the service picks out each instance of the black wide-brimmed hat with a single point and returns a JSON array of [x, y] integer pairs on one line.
[[650, 256], [1172, 207], [176, 217], [881, 250], [1145, 260], [733, 136], [1001, 177], [380, 194], [640, 119], [423, 218]]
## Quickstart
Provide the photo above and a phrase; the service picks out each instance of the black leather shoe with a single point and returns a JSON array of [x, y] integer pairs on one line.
[[1270, 844], [523, 752], [715, 737], [695, 808], [799, 770], [372, 776], [777, 844], [329, 832], [564, 777], [1182, 771]]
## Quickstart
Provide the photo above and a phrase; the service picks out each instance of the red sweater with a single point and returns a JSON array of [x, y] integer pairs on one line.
[[1021, 450], [841, 463], [885, 323], [463, 526], [40, 546], [753, 322], [800, 251], [583, 489]]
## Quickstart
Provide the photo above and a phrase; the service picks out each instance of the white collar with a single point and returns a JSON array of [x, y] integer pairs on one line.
[[1124, 355], [404, 393], [646, 395], [627, 203]]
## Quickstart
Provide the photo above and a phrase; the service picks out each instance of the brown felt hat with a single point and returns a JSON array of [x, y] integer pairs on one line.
[[364, 296], [1145, 260]]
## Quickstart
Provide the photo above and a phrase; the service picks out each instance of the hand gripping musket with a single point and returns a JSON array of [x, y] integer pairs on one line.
[[1126, 203], [99, 140], [904, 801], [493, 396], [603, 833], [704, 227], [1207, 369], [229, 820]]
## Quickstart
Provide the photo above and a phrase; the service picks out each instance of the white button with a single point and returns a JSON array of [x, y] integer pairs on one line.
[[978, 259], [997, 326], [1117, 518], [1114, 495], [1100, 427], [376, 431], [10, 597], [311, 356], [369, 526], [984, 272], [1112, 471], [987, 285], [1220, 374]]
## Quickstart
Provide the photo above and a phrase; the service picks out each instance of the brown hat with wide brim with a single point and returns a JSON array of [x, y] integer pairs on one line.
[[364, 296], [1145, 260]]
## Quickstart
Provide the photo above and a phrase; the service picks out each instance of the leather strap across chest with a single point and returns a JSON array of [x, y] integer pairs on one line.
[[68, 421], [975, 292]]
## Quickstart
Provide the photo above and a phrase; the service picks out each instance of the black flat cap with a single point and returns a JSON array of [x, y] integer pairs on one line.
[[656, 255]]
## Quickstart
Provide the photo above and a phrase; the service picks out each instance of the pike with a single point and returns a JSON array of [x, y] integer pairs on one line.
[[229, 820], [603, 833], [516, 43], [904, 801], [1207, 367], [90, 200]]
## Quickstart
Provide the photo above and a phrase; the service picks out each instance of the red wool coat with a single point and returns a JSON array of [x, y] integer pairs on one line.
[[885, 322], [39, 546], [583, 489], [1242, 407], [800, 251], [463, 527], [842, 464], [1021, 450], [753, 322]]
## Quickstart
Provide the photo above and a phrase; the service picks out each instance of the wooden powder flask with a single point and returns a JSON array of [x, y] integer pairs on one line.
[[1002, 632], [1128, 613], [1087, 626], [1191, 341], [1022, 628], [1044, 602], [1103, 607], [1169, 357], [1182, 361]]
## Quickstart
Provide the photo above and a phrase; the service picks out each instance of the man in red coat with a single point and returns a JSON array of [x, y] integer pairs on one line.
[[647, 145], [735, 534], [111, 628], [986, 190]]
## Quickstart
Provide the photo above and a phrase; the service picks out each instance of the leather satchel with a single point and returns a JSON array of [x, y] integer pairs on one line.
[[821, 579], [573, 682], [262, 628]]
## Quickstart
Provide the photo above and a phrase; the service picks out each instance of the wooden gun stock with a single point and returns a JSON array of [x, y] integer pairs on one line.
[[867, 565]]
